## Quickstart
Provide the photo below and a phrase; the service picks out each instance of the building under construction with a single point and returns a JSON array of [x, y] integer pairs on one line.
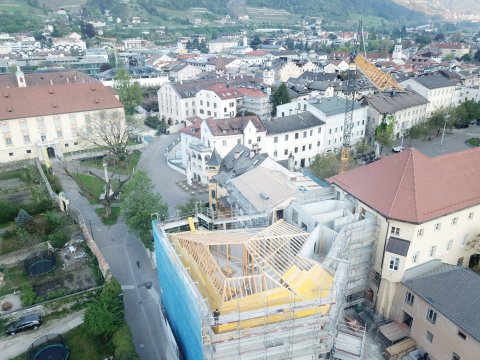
[[274, 292]]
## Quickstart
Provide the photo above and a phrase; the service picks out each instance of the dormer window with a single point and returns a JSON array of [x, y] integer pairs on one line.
[[224, 131]]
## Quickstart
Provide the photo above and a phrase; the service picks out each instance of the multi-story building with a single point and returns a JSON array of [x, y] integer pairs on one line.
[[144, 76], [407, 109], [48, 120], [183, 72], [218, 101], [221, 45], [176, 100], [427, 208], [455, 49], [255, 101], [331, 111], [439, 304], [437, 89]]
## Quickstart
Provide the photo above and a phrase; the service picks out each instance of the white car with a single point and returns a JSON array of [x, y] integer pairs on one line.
[[398, 149]]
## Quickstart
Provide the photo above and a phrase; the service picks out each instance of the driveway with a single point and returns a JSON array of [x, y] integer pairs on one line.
[[453, 142], [153, 161], [122, 249], [11, 346]]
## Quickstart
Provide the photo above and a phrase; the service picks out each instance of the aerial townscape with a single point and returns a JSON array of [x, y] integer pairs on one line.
[[239, 180]]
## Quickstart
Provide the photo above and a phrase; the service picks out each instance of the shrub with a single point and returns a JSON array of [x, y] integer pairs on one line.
[[8, 211], [124, 348], [58, 238], [7, 305], [23, 219], [27, 295]]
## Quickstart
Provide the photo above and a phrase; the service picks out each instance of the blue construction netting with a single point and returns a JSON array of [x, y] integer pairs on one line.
[[308, 173], [181, 308]]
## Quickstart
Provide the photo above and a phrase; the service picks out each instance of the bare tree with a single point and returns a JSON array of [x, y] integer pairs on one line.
[[107, 130]]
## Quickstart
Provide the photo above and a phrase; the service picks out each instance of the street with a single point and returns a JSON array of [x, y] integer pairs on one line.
[[122, 250]]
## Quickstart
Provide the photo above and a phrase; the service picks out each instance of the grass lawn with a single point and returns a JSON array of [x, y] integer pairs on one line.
[[9, 242], [474, 142], [112, 219], [83, 346], [91, 186], [124, 168]]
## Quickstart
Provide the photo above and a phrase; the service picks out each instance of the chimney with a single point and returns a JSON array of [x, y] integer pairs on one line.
[[51, 82], [20, 77], [290, 163], [237, 155], [252, 153]]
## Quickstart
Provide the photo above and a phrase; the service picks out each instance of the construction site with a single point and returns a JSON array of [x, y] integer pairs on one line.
[[267, 288]]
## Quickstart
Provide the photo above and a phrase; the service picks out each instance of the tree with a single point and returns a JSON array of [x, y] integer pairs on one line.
[[384, 132], [466, 58], [403, 32], [140, 203], [107, 130], [130, 93], [124, 348], [476, 57], [362, 146], [104, 316], [255, 42], [189, 207], [280, 96], [415, 132], [328, 165], [89, 30], [436, 121], [23, 219], [332, 36]]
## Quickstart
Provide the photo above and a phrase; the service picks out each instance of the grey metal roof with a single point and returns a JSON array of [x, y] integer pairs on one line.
[[389, 103], [333, 105], [215, 159], [188, 89], [454, 293], [397, 246], [295, 122], [237, 162], [433, 81]]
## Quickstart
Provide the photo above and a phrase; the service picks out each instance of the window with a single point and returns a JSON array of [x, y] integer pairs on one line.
[[285, 152], [59, 133], [319, 130], [462, 335], [29, 151], [8, 140], [415, 257], [409, 298], [250, 142], [433, 249], [295, 216], [40, 123], [303, 148], [449, 244], [311, 132], [224, 142], [66, 145], [296, 150], [432, 316], [10, 154], [460, 261], [304, 134], [394, 262], [214, 105], [455, 221], [259, 138], [438, 226], [395, 230], [26, 139], [420, 232], [429, 336], [275, 139], [209, 113], [330, 131], [470, 216], [465, 239], [309, 146], [208, 103], [201, 103], [213, 194], [286, 137], [296, 135], [318, 143], [201, 111]]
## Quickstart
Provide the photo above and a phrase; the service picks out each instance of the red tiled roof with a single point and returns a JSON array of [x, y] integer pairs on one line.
[[224, 92], [257, 53], [251, 92], [44, 100], [195, 129], [412, 187], [47, 78], [236, 125]]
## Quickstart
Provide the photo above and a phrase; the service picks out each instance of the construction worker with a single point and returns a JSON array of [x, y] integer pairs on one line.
[[216, 316]]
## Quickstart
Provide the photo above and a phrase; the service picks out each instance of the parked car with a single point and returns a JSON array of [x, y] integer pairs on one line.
[[397, 149], [24, 323]]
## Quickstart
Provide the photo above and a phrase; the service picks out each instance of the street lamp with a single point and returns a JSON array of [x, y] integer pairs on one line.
[[443, 133]]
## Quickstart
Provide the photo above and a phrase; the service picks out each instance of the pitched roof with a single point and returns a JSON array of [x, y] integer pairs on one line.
[[215, 159], [236, 125], [224, 92], [58, 99], [333, 105], [188, 89], [195, 129], [433, 81], [411, 187], [299, 121], [389, 104], [453, 292], [47, 78], [251, 92]]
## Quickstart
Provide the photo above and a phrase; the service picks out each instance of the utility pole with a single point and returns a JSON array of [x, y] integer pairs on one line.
[[443, 133]]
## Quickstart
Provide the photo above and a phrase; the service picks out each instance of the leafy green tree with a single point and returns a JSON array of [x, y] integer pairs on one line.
[[415, 132], [384, 132], [328, 165], [255, 42], [363, 146], [130, 93], [123, 342], [436, 121], [466, 58], [280, 96], [140, 203], [23, 219], [104, 316], [189, 207]]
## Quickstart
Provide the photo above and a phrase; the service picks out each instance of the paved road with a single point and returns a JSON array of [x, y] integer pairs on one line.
[[11, 346], [451, 143], [121, 250], [163, 177]]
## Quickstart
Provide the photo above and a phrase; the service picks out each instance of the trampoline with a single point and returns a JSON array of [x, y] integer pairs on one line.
[[40, 263], [49, 347]]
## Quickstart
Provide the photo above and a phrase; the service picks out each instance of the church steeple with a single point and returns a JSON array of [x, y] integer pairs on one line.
[[20, 77]]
